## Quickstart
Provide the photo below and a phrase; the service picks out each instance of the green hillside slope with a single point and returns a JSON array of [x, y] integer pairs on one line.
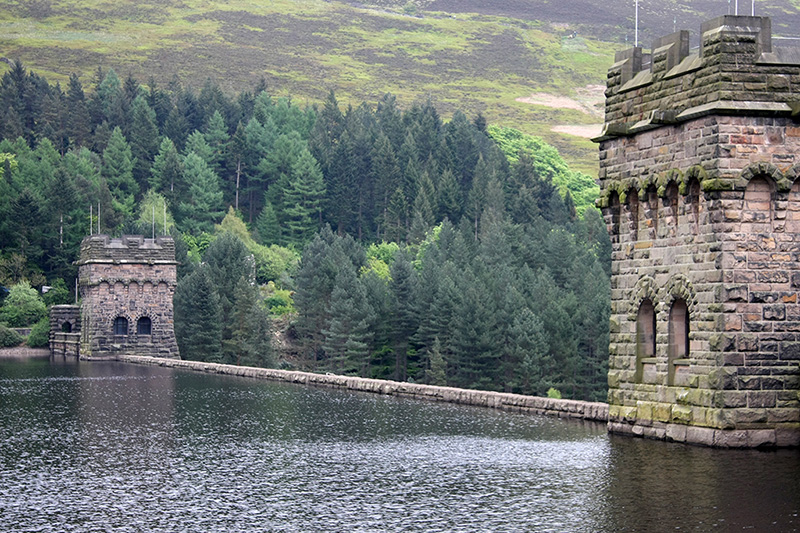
[[537, 66]]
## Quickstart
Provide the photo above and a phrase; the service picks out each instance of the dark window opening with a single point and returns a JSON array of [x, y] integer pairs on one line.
[[615, 215], [645, 337], [144, 326], [672, 199], [120, 326], [678, 337], [66, 327], [652, 203], [694, 201], [633, 207]]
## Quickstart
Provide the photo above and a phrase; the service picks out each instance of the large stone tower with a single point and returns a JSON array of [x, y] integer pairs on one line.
[[126, 288], [699, 168]]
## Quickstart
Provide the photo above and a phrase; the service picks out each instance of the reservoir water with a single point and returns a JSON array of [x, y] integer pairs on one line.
[[115, 447]]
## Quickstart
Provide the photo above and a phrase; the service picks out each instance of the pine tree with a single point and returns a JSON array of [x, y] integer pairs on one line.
[[118, 172], [216, 135], [422, 216], [302, 209], [404, 320], [143, 139], [204, 204], [79, 121], [449, 197], [437, 371], [166, 174], [198, 325], [347, 336], [267, 228]]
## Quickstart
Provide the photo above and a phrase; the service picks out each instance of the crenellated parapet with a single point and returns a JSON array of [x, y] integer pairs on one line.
[[129, 249], [736, 73], [699, 168]]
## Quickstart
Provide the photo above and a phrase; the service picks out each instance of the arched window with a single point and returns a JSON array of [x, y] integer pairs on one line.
[[633, 207], [678, 337], [645, 337], [694, 201], [144, 326], [757, 212], [615, 216], [66, 327], [672, 199], [120, 326], [652, 204]]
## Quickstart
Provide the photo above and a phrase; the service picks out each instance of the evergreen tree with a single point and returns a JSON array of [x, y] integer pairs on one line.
[[404, 319], [143, 139], [204, 205], [267, 227], [437, 371], [118, 172], [302, 210], [347, 336], [79, 120], [166, 174], [198, 325], [217, 138]]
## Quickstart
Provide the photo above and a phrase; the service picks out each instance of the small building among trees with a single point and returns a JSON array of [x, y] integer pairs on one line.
[[126, 287]]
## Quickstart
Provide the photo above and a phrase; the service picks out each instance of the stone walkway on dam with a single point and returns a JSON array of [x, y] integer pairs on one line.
[[593, 411]]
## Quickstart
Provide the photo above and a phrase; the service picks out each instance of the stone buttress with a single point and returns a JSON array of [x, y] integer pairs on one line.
[[126, 287], [699, 168]]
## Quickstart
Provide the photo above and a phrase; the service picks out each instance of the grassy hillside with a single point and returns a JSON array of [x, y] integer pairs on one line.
[[516, 61]]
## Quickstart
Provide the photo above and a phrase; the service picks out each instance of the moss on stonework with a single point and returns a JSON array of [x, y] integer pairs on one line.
[[717, 184], [682, 414]]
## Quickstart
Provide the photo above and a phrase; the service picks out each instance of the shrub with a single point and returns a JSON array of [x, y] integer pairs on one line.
[[58, 294], [554, 393], [40, 334], [23, 306], [9, 337]]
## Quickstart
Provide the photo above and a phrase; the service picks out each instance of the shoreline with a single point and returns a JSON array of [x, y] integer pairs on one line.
[[24, 352]]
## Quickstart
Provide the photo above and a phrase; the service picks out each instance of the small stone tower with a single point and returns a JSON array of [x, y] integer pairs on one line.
[[700, 190], [126, 286]]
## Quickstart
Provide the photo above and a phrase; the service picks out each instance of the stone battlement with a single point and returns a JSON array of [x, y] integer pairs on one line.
[[127, 249], [700, 189], [126, 287], [737, 71]]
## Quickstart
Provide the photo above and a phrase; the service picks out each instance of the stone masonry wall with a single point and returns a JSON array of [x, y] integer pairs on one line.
[[132, 278], [699, 159], [65, 317]]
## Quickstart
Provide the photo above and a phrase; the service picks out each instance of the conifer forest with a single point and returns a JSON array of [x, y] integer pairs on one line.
[[378, 240]]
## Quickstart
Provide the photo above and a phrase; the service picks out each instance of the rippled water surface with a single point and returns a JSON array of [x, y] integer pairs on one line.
[[113, 447]]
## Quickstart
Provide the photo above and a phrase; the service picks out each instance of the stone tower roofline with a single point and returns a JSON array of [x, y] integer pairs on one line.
[[128, 249], [733, 73]]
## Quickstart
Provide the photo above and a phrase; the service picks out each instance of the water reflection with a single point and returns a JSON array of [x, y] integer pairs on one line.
[[106, 446]]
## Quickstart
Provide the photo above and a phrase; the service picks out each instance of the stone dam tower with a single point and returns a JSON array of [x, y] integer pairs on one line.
[[700, 191], [126, 287]]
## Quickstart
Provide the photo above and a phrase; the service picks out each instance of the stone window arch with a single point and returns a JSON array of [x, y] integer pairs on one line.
[[120, 326], [671, 200], [678, 351], [694, 204], [645, 337], [652, 205], [144, 326], [633, 209], [757, 211], [615, 208], [66, 327]]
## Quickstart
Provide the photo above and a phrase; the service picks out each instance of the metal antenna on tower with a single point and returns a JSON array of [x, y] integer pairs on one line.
[[636, 26]]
